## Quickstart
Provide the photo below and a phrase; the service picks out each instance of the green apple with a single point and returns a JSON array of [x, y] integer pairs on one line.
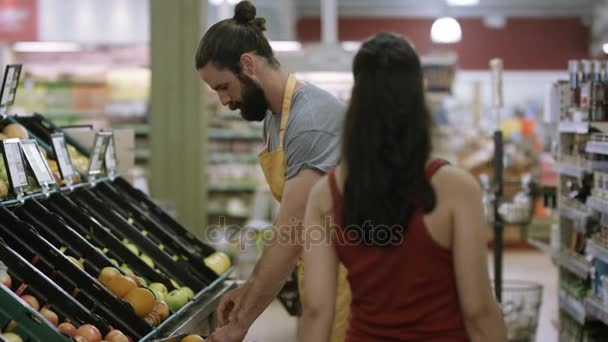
[[132, 248], [125, 268], [175, 257], [158, 287], [115, 262], [175, 284], [159, 295], [218, 262], [147, 260], [176, 299], [188, 291]]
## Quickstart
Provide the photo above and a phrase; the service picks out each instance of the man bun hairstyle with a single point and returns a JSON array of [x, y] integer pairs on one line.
[[225, 42]]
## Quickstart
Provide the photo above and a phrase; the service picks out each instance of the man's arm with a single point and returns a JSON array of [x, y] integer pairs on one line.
[[279, 259]]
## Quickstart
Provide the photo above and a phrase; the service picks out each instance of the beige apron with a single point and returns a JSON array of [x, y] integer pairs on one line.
[[274, 164]]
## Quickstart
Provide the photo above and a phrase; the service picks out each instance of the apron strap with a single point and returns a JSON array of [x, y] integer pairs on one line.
[[289, 89]]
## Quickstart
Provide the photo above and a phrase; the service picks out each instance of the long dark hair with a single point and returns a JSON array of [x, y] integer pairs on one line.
[[387, 138], [225, 42]]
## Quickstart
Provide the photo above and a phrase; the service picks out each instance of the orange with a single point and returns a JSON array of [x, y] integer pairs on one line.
[[142, 300], [121, 285], [192, 338]]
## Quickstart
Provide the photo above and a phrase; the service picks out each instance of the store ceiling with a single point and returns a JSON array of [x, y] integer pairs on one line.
[[434, 8]]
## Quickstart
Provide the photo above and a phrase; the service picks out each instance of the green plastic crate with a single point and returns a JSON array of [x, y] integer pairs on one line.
[[31, 326]]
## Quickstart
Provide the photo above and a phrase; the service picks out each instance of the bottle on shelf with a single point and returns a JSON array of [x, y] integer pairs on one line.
[[574, 84], [598, 93], [585, 86]]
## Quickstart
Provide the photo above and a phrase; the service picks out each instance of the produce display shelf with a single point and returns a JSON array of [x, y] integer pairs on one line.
[[597, 147]]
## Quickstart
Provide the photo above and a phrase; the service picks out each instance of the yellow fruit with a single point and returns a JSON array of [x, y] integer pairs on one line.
[[142, 300], [107, 274], [15, 130], [218, 262], [192, 338], [121, 286]]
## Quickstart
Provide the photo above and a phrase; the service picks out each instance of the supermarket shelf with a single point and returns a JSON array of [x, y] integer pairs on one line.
[[224, 212], [229, 134], [232, 187], [597, 204], [579, 217], [597, 147], [542, 246], [573, 307], [246, 158], [582, 127], [596, 309], [574, 263], [571, 170], [597, 248], [596, 165]]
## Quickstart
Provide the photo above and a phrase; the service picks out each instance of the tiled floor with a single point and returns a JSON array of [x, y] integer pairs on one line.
[[275, 325]]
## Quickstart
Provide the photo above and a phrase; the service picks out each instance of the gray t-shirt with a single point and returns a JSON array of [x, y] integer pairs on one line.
[[312, 134]]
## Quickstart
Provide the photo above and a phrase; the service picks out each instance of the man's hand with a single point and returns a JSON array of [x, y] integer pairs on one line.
[[229, 305], [228, 333]]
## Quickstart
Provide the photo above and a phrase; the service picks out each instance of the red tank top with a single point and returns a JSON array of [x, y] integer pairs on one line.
[[405, 292]]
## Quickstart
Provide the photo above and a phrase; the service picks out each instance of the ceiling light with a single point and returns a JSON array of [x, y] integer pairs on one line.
[[46, 47], [605, 48], [285, 45], [446, 30], [462, 2]]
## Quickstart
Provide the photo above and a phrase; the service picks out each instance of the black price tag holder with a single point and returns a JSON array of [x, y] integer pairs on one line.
[[10, 82], [38, 165], [15, 167], [97, 160], [66, 169]]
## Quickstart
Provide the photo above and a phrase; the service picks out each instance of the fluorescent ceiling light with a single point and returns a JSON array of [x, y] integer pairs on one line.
[[46, 47], [605, 48], [462, 2], [446, 30], [285, 45], [351, 46]]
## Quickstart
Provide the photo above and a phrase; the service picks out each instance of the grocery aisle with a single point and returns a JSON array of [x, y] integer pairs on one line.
[[276, 326]]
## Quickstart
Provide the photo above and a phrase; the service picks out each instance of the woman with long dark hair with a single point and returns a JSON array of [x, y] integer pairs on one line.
[[408, 227]]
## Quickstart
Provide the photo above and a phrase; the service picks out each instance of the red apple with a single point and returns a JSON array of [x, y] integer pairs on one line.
[[89, 332], [32, 301], [135, 279], [7, 281], [116, 336], [162, 309], [130, 338], [50, 316], [67, 328]]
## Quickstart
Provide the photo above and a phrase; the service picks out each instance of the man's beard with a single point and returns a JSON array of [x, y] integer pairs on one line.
[[253, 104]]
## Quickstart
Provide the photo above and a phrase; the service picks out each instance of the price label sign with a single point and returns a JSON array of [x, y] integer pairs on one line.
[[9, 84], [15, 166], [63, 157], [37, 163], [98, 153], [110, 157]]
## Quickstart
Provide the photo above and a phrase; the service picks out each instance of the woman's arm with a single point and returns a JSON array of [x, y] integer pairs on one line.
[[320, 269], [482, 316]]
